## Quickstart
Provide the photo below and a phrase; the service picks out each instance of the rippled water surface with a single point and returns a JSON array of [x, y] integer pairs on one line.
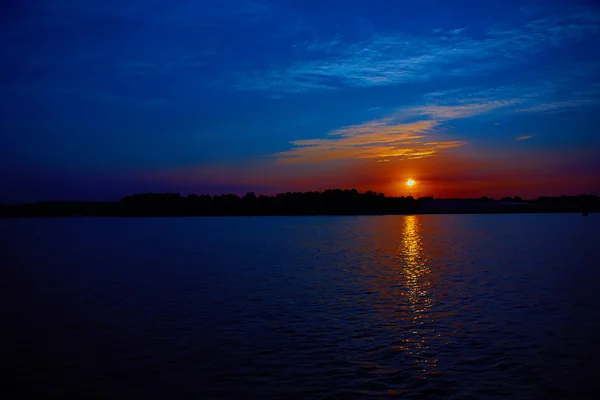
[[462, 306]]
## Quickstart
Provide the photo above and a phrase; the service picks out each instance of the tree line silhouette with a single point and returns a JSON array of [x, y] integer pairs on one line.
[[328, 202]]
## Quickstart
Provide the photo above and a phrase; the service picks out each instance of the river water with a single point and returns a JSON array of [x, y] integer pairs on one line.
[[455, 306]]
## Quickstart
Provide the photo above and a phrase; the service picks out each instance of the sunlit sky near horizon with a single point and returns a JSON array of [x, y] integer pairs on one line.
[[101, 99]]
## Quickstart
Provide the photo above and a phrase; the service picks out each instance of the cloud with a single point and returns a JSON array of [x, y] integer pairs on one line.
[[560, 106], [524, 137], [511, 93], [384, 60], [380, 139], [447, 93], [478, 106], [404, 134], [551, 93]]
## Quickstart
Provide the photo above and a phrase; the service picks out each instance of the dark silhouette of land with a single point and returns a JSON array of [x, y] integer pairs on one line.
[[329, 202]]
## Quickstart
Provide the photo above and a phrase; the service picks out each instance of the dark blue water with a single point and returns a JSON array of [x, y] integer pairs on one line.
[[464, 306]]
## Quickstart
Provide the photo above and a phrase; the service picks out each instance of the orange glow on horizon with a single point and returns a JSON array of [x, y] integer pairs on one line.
[[458, 173]]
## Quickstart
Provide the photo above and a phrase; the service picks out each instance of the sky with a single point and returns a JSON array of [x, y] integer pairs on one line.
[[102, 99]]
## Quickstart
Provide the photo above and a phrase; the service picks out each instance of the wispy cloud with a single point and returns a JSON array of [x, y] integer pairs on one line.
[[382, 139], [375, 139], [548, 95], [394, 59], [406, 133], [457, 111], [560, 106], [524, 137]]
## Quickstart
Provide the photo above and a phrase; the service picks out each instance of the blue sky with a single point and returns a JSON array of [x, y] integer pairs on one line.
[[101, 99]]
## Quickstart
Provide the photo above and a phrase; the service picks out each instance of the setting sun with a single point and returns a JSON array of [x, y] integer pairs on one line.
[[410, 183]]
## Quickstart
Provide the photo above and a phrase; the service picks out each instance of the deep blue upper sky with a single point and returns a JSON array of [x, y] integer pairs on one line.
[[100, 99]]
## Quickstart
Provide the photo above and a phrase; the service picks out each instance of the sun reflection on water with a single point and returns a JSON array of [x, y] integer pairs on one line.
[[401, 289], [414, 273]]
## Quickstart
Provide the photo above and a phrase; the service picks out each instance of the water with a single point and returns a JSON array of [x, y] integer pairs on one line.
[[462, 306]]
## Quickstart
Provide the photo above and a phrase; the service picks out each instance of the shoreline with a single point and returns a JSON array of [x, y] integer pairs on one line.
[[328, 203], [48, 216]]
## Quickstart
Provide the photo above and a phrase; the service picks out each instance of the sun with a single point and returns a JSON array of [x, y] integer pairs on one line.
[[410, 183]]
